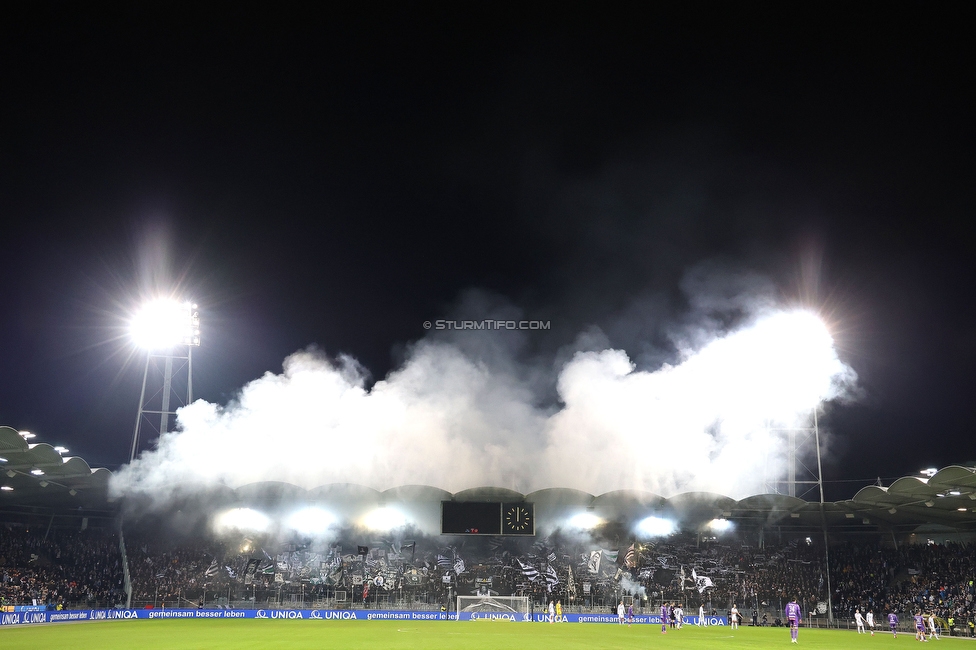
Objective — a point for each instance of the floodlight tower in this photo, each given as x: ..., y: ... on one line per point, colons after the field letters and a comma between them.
x: 801, y: 443
x: 168, y: 330
x: 798, y: 441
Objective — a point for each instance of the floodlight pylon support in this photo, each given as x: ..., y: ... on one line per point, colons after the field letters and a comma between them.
x: 161, y: 396
x: 801, y: 479
x: 799, y: 475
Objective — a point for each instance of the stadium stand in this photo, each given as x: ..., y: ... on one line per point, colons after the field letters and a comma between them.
x: 898, y: 548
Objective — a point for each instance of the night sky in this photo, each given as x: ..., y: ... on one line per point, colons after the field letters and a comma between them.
x: 318, y: 177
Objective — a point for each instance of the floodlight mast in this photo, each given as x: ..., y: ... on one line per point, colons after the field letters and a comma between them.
x: 168, y: 330
x: 798, y: 443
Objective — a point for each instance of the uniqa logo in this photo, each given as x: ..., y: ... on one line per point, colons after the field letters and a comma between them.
x: 122, y: 613
x: 315, y: 615
x: 289, y: 613
x: 343, y: 615
x: 260, y: 614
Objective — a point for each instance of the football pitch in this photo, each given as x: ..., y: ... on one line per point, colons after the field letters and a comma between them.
x: 392, y: 635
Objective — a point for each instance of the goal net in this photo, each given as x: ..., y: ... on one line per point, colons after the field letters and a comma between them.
x: 501, y: 604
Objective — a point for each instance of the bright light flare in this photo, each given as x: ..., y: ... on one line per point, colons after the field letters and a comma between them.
x: 655, y: 527
x: 383, y: 519
x: 782, y: 365
x: 585, y: 521
x: 243, y: 519
x: 165, y: 323
x: 310, y: 521
x: 26, y: 435
x: 720, y: 525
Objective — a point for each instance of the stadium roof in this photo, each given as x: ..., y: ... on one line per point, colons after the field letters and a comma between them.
x: 39, y: 474
x: 947, y: 501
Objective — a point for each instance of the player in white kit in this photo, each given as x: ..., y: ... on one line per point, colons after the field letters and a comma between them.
x: 871, y: 620
x: 859, y: 620
x: 701, y: 616
x: 734, y: 617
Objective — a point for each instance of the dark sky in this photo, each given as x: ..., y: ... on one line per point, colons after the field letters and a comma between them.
x: 329, y: 178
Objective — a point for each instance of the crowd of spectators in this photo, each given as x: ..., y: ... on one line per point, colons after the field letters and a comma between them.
x: 84, y: 569
x: 932, y: 577
x: 173, y: 575
x: 60, y: 569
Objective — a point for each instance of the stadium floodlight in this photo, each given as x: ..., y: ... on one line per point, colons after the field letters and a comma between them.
x: 961, y: 509
x: 655, y: 526
x: 720, y: 525
x: 244, y: 519
x: 585, y: 521
x: 6, y: 488
x: 168, y: 330
x: 26, y: 435
x: 310, y: 521
x: 383, y: 519
x: 61, y: 450
x: 2, y: 459
x: 165, y: 323
x: 930, y: 472
x: 955, y: 493
x: 37, y: 471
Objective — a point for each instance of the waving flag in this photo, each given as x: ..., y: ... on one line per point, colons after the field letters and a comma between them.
x: 593, y: 565
x: 630, y: 559
x: 551, y: 578
x: 528, y: 570
x: 703, y: 582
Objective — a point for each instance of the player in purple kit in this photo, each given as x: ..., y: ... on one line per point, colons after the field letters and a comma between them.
x: 919, y: 626
x: 893, y: 624
x: 664, y: 618
x: 793, y: 616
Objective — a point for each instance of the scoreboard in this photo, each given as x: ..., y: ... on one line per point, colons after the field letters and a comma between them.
x: 487, y: 518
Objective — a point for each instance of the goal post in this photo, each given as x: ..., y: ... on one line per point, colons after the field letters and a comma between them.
x: 494, y: 604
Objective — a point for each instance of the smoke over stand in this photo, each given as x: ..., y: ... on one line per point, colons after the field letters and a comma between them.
x: 446, y: 419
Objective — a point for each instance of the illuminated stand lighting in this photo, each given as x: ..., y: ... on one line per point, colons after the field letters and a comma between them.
x: 168, y: 330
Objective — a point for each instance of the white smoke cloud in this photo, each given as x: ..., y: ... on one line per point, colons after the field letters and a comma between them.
x: 447, y: 419
x: 630, y: 586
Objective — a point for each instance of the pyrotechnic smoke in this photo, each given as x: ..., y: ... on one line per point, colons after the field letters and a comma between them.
x: 630, y: 586
x: 449, y: 419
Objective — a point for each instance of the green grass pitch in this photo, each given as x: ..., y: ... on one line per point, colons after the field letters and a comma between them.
x: 427, y: 635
